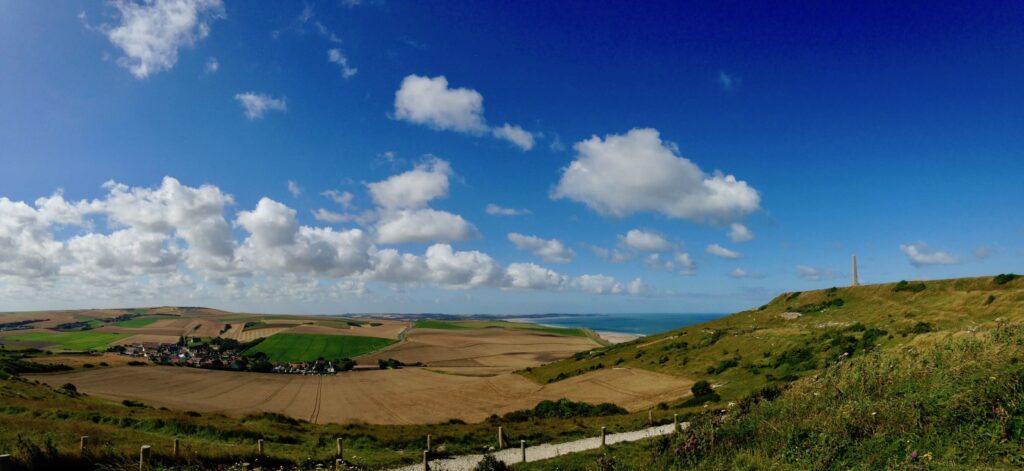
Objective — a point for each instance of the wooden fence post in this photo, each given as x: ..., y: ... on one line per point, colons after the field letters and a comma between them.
x: 650, y: 418
x: 176, y: 448
x: 522, y: 448
x: 675, y: 423
x: 604, y: 431
x: 259, y: 447
x: 501, y: 438
x: 339, y: 449
x: 83, y: 444
x: 428, y: 443
x: 144, y: 457
x: 426, y: 460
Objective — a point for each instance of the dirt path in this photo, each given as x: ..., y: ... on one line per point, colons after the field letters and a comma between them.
x: 543, y: 452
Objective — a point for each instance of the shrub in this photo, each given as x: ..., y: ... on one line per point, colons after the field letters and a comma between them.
x: 69, y: 388
x: 131, y: 403
x: 723, y: 366
x: 990, y: 299
x: 904, y: 285
x: 922, y: 328
x: 701, y: 388
x: 564, y: 409
x: 136, y: 363
x: 490, y: 463
x: 1005, y: 278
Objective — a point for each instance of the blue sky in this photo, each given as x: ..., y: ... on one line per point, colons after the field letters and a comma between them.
x: 885, y: 130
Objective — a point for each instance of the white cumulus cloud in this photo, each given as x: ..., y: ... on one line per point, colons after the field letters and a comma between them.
x: 423, y: 225
x: 415, y: 188
x: 151, y: 33
x: 624, y: 174
x: 516, y: 135
x: 644, y: 241
x: 429, y: 101
x: 920, y: 255
x: 552, y: 250
x: 740, y: 233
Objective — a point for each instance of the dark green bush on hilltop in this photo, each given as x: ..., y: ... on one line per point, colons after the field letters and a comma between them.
x: 1005, y: 278
x: 904, y: 285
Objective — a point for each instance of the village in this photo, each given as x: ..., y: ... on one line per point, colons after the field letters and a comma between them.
x: 227, y: 354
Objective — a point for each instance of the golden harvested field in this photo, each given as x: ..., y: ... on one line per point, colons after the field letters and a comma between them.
x: 481, y: 351
x: 406, y: 396
x: 76, y: 361
x: 146, y: 338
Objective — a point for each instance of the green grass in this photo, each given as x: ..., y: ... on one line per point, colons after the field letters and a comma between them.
x: 139, y: 322
x: 955, y: 401
x: 769, y: 349
x: 481, y: 324
x: 72, y: 341
x: 305, y: 347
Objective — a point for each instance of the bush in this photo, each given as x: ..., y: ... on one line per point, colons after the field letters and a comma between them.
x: 1005, y: 278
x: 701, y: 388
x: 922, y: 328
x: 131, y: 403
x: 990, y: 299
x: 564, y: 409
x: 490, y: 463
x: 69, y: 388
x: 723, y: 366
x: 904, y: 285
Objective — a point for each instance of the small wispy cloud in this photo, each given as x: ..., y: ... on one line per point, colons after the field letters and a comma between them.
x: 920, y: 255
x: 719, y: 251
x: 294, y: 188
x: 816, y: 274
x: 336, y: 57
x: 727, y: 81
x: 495, y: 210
x: 257, y: 104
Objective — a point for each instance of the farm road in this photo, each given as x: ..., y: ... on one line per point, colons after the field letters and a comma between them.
x: 542, y: 452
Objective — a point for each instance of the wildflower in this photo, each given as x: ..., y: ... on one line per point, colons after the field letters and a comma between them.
x: 913, y: 455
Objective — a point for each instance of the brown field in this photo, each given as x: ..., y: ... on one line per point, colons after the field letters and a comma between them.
x: 145, y: 338
x: 76, y: 361
x: 250, y: 335
x: 482, y: 351
x: 387, y: 330
x: 406, y: 396
x: 52, y: 318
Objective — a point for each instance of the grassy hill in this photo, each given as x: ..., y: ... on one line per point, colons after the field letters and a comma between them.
x: 797, y: 333
x: 900, y: 375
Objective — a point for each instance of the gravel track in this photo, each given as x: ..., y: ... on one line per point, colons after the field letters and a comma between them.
x: 543, y: 452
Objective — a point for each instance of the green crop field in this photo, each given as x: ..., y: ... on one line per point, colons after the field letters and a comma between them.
x: 306, y: 347
x: 139, y: 322
x: 75, y: 341
x: 479, y: 324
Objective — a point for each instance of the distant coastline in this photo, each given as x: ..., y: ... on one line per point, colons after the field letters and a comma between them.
x: 618, y: 328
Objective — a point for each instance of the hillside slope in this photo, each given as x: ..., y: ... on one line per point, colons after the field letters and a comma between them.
x: 797, y: 333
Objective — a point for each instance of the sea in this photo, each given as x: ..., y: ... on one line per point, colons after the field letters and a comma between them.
x: 633, y: 323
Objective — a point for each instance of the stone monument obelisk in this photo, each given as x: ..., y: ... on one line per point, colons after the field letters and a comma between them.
x: 856, y: 282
